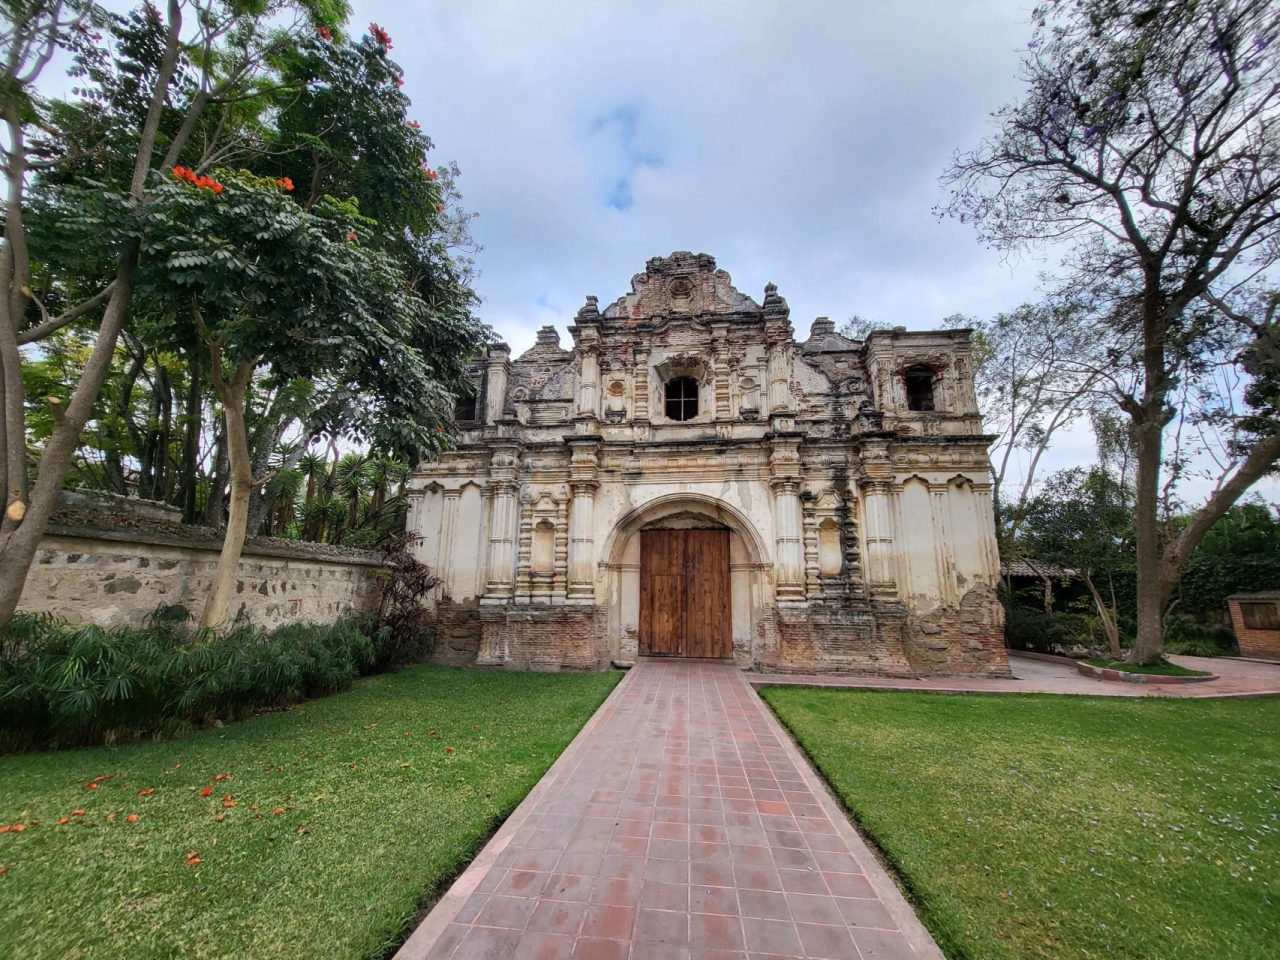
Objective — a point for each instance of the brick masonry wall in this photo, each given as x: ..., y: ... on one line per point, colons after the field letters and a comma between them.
x: 457, y: 628
x: 114, y: 578
x: 1254, y: 643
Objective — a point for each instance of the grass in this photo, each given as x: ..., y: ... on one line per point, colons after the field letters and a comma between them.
x: 385, y: 792
x: 1064, y: 827
x: 1163, y: 669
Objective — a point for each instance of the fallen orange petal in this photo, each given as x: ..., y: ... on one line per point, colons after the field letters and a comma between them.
x: 206, y: 792
x: 222, y: 776
x: 278, y: 810
x: 132, y: 818
x: 91, y: 786
x: 147, y: 792
x: 193, y: 861
x: 448, y: 749
x: 18, y: 827
x: 77, y: 813
x: 111, y: 817
x: 62, y: 820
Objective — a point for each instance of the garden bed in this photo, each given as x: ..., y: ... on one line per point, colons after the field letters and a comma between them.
x: 1131, y: 673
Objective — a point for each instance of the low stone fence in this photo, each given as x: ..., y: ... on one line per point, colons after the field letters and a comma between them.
x: 113, y: 575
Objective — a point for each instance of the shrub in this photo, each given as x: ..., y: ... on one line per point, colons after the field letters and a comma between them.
x: 1183, y: 634
x: 401, y: 624
x: 66, y: 685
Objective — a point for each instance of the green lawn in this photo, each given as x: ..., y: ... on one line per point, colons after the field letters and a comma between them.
x: 384, y: 793
x: 1163, y: 669
x: 1064, y: 827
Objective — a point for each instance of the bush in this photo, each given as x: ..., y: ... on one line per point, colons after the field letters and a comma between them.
x: 401, y: 624
x: 1184, y: 635
x: 68, y: 685
x: 1030, y: 628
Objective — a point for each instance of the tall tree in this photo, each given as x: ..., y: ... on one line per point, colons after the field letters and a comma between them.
x: 1145, y: 140
x: 241, y: 272
x: 215, y: 54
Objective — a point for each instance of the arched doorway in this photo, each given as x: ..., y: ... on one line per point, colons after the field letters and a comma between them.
x: 687, y: 576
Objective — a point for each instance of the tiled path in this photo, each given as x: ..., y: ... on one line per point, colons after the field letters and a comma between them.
x: 681, y: 823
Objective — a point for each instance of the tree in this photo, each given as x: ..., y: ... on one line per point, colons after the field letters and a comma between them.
x: 1145, y: 141
x: 1035, y: 375
x: 216, y: 57
x: 239, y: 270
x: 1082, y: 520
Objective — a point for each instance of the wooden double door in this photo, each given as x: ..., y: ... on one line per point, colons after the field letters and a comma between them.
x: 685, y: 609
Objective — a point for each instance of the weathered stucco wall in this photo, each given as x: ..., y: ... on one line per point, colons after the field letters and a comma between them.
x: 117, y: 577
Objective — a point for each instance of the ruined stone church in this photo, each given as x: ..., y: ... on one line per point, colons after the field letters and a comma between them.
x: 686, y: 479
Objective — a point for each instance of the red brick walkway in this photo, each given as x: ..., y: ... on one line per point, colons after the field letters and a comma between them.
x: 681, y: 823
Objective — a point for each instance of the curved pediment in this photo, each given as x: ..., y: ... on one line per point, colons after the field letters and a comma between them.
x: 682, y: 284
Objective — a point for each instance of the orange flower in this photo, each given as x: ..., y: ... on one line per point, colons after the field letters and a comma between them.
x: 77, y: 813
x: 324, y: 34
x: 207, y: 791
x: 132, y: 818
x: 147, y: 792
x: 62, y: 820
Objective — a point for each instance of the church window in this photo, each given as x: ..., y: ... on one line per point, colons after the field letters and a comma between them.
x: 920, y: 388
x: 465, y: 408
x: 682, y: 398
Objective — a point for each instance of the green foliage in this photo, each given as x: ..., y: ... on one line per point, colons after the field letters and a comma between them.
x: 1240, y: 553
x: 1162, y: 669
x: 65, y: 685
x: 1030, y: 628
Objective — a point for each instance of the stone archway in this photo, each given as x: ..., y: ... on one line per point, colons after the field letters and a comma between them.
x: 749, y: 569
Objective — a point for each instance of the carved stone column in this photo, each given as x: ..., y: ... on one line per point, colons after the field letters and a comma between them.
x: 944, y: 546
x: 641, y: 397
x: 589, y: 387
x: 784, y: 461
x: 503, y: 517
x: 583, y: 467
x: 495, y: 391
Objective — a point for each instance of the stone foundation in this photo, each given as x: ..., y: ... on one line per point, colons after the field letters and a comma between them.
x: 457, y: 627
x: 542, y: 636
x: 836, y: 637
x: 966, y: 640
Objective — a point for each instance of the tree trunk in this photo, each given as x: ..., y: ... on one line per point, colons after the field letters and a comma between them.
x: 20, y: 531
x: 232, y: 395
x: 194, y: 417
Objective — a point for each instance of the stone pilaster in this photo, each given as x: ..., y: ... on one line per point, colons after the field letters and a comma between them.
x: 503, y: 518
x: 584, y: 465
x: 784, y: 463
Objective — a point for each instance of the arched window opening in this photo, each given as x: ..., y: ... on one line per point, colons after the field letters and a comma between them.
x: 682, y: 398
x: 920, y: 388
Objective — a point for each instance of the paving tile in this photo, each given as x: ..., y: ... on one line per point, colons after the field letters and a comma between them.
x: 679, y: 826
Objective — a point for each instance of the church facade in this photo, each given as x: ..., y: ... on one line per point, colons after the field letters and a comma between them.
x: 686, y: 479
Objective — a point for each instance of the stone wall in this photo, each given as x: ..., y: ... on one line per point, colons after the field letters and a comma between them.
x: 968, y: 639
x: 539, y: 636
x: 115, y: 577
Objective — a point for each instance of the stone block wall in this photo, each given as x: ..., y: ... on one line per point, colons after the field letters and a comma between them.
x: 968, y: 639
x: 538, y: 636
x: 118, y: 577
x: 836, y: 638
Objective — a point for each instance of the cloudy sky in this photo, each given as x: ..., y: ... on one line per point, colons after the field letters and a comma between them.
x: 796, y: 142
